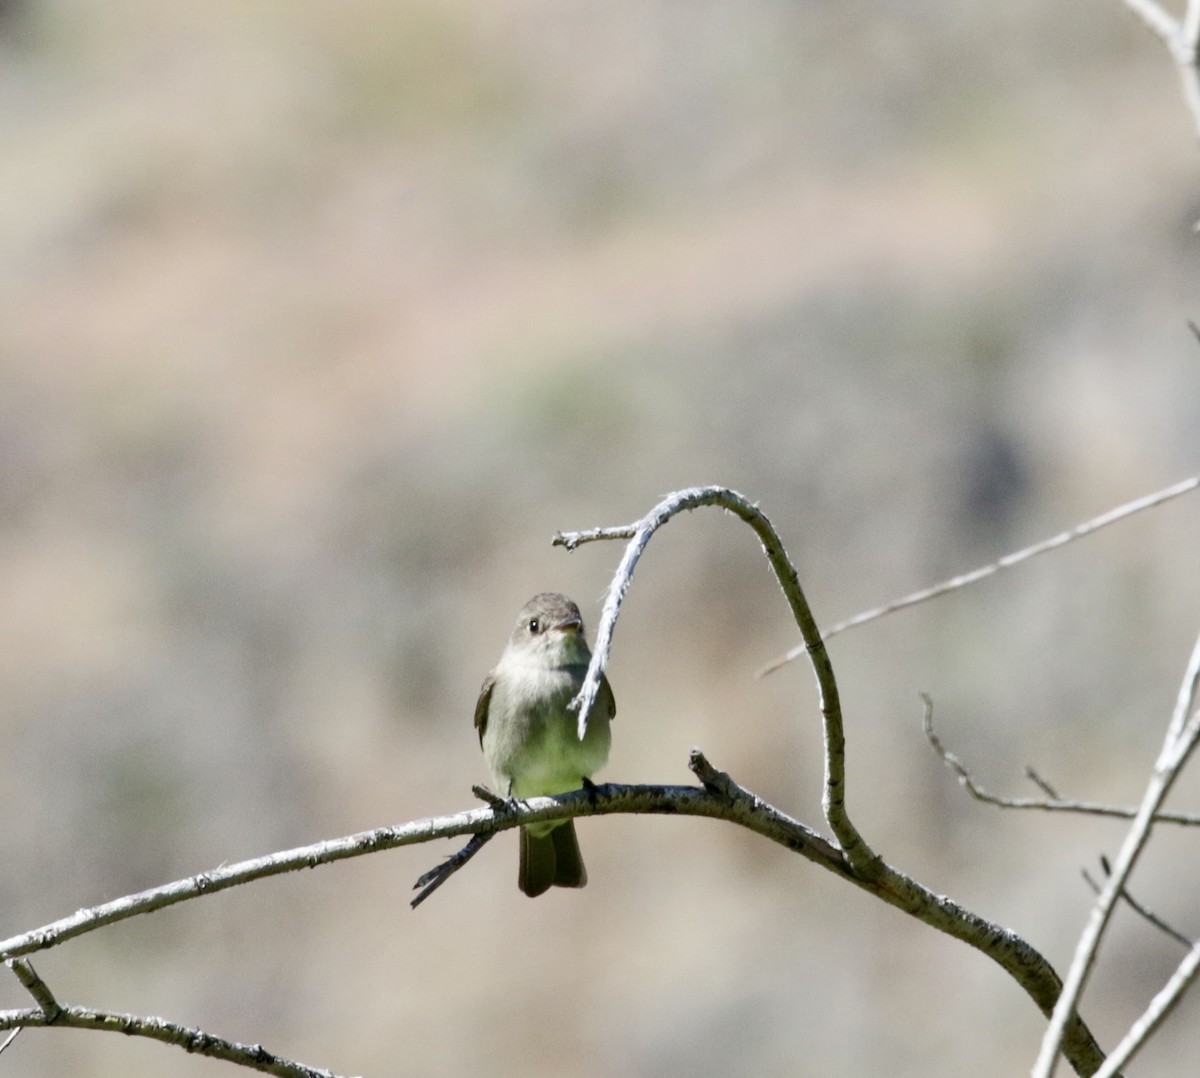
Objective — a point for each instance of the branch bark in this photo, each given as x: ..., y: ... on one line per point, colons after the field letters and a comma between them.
x: 862, y: 858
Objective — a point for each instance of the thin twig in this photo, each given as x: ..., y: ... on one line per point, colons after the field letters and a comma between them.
x: 1007, y: 562
x: 714, y: 781
x: 485, y: 795
x: 274, y: 864
x: 1185, y: 702
x: 10, y: 1038
x: 190, y: 1039
x: 571, y: 540
x: 36, y: 987
x: 1044, y: 786
x: 439, y: 874
x: 1177, y: 748
x: 1051, y: 803
x: 1157, y: 18
x: 1190, y: 31
x: 1160, y: 1007
x: 1142, y: 911
x: 1182, y: 38
x: 862, y: 858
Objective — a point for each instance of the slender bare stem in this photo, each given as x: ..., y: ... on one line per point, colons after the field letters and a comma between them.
x: 35, y: 986
x: 1052, y: 802
x: 51, y: 1013
x: 1190, y: 30
x: 439, y: 874
x: 1154, y: 1015
x: 1185, y: 702
x: 1007, y: 562
x: 1177, y: 748
x: 1157, y: 18
x: 1182, y: 38
x: 1147, y: 914
x: 253, y: 1056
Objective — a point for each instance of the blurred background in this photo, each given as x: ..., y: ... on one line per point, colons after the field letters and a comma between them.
x: 317, y: 321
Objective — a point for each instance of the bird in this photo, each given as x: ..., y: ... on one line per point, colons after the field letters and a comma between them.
x: 529, y: 736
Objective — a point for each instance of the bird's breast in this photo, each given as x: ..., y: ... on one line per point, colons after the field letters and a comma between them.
x: 531, y: 742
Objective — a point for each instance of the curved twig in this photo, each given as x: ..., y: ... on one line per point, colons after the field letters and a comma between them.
x: 1052, y: 802
x: 859, y: 854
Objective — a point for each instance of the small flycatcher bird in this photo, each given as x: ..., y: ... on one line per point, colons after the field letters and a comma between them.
x: 529, y: 736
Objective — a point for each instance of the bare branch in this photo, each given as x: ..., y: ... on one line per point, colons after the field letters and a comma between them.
x: 1183, y: 42
x: 439, y: 874
x: 1177, y: 748
x: 861, y: 865
x: 1190, y: 30
x: 253, y: 1056
x: 721, y: 798
x: 715, y: 782
x: 1160, y: 1007
x: 227, y: 876
x: 1042, y: 784
x: 1185, y: 702
x: 1051, y: 803
x: 1007, y: 562
x: 486, y: 795
x: 600, y: 800
x: 1157, y: 18
x: 51, y: 1013
x: 10, y: 1038
x: 36, y: 987
x: 571, y: 540
x: 857, y: 851
x: 1142, y: 911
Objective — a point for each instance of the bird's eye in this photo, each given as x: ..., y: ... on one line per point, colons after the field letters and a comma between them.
x: 535, y: 626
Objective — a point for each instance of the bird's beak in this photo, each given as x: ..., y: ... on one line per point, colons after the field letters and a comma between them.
x: 571, y: 625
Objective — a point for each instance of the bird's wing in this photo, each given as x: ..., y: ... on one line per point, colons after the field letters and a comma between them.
x: 605, y: 698
x: 481, y: 705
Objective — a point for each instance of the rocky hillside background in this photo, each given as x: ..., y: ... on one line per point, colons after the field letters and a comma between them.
x: 318, y: 320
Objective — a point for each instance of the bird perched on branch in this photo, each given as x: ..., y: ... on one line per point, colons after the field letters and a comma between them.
x: 530, y: 738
